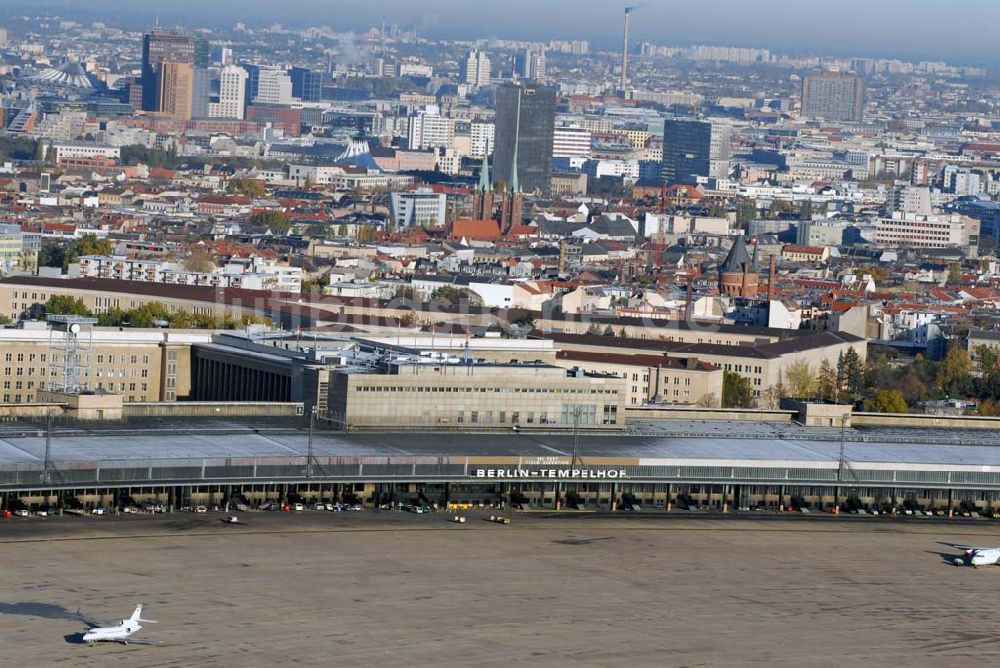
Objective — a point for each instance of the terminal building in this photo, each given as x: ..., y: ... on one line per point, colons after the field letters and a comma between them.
x: 701, y: 464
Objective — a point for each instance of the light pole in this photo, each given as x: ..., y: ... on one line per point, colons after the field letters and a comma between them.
x: 841, y: 460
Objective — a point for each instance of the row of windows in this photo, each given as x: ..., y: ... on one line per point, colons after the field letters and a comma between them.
x: 743, y: 368
x: 42, y: 371
x: 80, y: 359
x: 504, y: 390
x: 576, y: 414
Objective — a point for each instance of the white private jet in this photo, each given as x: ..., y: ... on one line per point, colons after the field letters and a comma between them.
x: 977, y: 556
x: 119, y: 633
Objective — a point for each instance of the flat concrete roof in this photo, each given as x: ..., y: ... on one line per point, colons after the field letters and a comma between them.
x: 196, y: 442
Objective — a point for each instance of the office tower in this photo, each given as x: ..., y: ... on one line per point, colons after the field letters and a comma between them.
x: 525, y: 121
x: 253, y: 82
x: 273, y: 87
x: 163, y: 46
x: 530, y: 63
x: 226, y: 56
x: 176, y: 94
x: 307, y: 84
x: 834, y: 96
x: 694, y: 148
x: 201, y: 92
x: 476, y: 69
x: 232, y: 93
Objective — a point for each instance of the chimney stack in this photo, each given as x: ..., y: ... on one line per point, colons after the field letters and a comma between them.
x: 772, y: 273
x: 628, y: 10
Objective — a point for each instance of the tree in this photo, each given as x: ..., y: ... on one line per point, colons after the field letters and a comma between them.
x: 709, y: 400
x: 746, y: 213
x: 779, y: 207
x: 736, y: 391
x: 277, y: 222
x: 954, y: 273
x: 245, y: 186
x: 887, y: 401
x: 987, y: 357
x: 199, y: 261
x: 65, y: 305
x: 806, y: 210
x: 954, y: 374
x: 799, y: 380
x: 850, y: 374
x: 827, y: 383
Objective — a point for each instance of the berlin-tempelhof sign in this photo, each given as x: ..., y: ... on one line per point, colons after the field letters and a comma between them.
x: 572, y: 474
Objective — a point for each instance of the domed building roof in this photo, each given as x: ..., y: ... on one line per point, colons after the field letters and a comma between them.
x: 68, y: 75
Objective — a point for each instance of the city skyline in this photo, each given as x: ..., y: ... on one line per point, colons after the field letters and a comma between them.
x: 856, y: 28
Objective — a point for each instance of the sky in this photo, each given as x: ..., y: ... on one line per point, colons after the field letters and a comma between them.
x: 909, y: 29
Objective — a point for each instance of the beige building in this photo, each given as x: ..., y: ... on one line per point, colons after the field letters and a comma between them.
x: 764, y: 364
x: 139, y: 365
x: 437, y: 395
x: 176, y: 90
x: 652, y: 378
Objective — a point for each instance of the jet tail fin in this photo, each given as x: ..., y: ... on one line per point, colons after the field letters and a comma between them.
x: 137, y: 616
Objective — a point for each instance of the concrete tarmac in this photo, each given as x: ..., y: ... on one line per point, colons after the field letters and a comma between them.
x: 389, y: 588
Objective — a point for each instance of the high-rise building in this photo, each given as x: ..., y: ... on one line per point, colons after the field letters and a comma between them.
x: 530, y: 63
x: 834, y: 96
x: 525, y: 122
x: 273, y: 87
x: 481, y: 138
x: 694, y: 148
x: 253, y: 82
x: 307, y: 84
x: 429, y: 129
x: 232, y: 93
x: 164, y: 46
x: 176, y: 94
x: 201, y: 92
x: 476, y: 69
x: 571, y: 141
x: 3, y: 38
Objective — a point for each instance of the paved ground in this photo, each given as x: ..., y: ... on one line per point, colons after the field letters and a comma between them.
x: 379, y: 589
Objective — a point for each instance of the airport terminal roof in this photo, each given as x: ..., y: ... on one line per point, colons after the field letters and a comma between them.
x: 168, y: 439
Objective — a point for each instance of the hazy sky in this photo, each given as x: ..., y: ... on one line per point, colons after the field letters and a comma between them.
x: 960, y: 32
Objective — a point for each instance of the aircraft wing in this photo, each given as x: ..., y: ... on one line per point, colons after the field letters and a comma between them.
x: 966, y: 548
x: 91, y: 622
x: 971, y: 548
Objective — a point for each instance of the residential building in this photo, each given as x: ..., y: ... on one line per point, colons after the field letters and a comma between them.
x: 429, y: 129
x: 833, y: 96
x: 476, y: 69
x: 570, y: 141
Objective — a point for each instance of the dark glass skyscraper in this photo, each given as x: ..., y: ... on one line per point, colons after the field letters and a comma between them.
x: 694, y: 148
x: 525, y: 122
x: 164, y: 46
x: 307, y: 84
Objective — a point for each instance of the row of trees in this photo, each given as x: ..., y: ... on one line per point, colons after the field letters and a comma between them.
x: 57, y: 254
x: 880, y: 385
x: 153, y: 314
